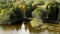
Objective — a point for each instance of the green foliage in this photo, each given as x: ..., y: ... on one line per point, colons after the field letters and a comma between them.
x: 59, y: 16
x: 5, y: 11
x: 37, y: 13
x: 18, y: 10
x: 53, y: 10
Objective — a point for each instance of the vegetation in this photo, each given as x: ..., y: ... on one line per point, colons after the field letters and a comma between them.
x: 12, y: 11
x: 53, y: 11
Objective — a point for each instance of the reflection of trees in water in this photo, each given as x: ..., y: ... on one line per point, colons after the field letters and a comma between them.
x: 31, y: 29
x: 8, y: 28
x: 18, y: 27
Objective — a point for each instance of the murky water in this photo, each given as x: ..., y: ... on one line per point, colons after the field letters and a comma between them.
x: 22, y: 29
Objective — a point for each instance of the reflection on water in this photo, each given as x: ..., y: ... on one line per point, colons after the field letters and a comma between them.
x: 23, y: 29
x: 7, y: 30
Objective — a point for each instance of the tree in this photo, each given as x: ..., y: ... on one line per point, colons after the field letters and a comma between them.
x: 53, y: 11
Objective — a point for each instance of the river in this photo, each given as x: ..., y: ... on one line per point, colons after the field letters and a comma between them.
x: 21, y: 29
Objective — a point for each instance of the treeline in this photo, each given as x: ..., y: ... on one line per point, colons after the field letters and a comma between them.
x: 53, y: 11
x: 13, y: 12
